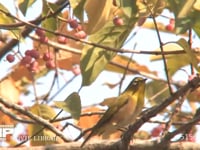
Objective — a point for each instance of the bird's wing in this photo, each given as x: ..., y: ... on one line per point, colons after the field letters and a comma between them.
x: 112, y: 110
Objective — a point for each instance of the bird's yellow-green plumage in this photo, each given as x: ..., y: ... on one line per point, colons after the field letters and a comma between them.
x: 123, y: 111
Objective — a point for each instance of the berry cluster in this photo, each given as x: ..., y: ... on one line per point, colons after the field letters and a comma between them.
x: 80, y: 33
x: 30, y: 60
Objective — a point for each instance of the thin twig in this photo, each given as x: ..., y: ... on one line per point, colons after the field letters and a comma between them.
x: 170, y: 135
x: 174, y: 113
x: 82, y: 115
x: 161, y: 48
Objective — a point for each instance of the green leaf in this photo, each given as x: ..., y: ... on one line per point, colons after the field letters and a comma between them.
x: 24, y: 5
x: 43, y: 111
x: 72, y: 105
x: 94, y: 59
x: 78, y: 8
x: 128, y: 6
x: 156, y: 92
x: 49, y: 23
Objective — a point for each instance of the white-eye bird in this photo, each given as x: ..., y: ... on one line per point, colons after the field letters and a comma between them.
x: 122, y: 111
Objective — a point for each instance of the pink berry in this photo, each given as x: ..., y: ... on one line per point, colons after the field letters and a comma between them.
x: 44, y: 39
x: 80, y: 34
x: 73, y: 23
x: 79, y: 28
x: 118, y: 21
x: 170, y: 27
x: 157, y: 131
x: 40, y: 32
x: 35, y: 54
x: 26, y: 60
x: 34, y: 66
x: 47, y: 56
x: 27, y: 52
x: 10, y: 58
x: 62, y: 40
x: 50, y: 64
x: 76, y: 69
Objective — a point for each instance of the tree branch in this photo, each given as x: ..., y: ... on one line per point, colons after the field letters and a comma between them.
x: 190, y: 86
x: 34, y: 117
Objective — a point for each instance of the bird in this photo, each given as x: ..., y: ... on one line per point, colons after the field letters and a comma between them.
x: 122, y: 111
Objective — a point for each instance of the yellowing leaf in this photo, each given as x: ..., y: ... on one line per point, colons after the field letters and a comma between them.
x: 190, y: 53
x: 176, y: 61
x: 156, y: 92
x: 167, y: 47
x: 72, y: 105
x: 9, y: 91
x: 197, y: 5
x: 44, y: 137
x: 3, y: 18
x: 119, y: 63
x: 98, y: 14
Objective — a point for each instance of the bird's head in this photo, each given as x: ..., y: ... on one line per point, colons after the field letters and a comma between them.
x: 136, y: 84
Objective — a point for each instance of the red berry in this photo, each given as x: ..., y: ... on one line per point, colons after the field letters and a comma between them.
x: 62, y: 40
x: 35, y: 54
x: 157, y: 131
x: 76, y: 69
x: 191, y: 77
x: 80, y: 34
x: 118, y: 21
x: 44, y: 39
x: 10, y: 58
x: 47, y: 56
x: 170, y: 27
x: 73, y: 23
x: 79, y: 28
x: 141, y: 21
x: 34, y: 66
x: 26, y: 60
x: 191, y: 139
x: 40, y: 32
x: 27, y: 52
x: 50, y: 64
